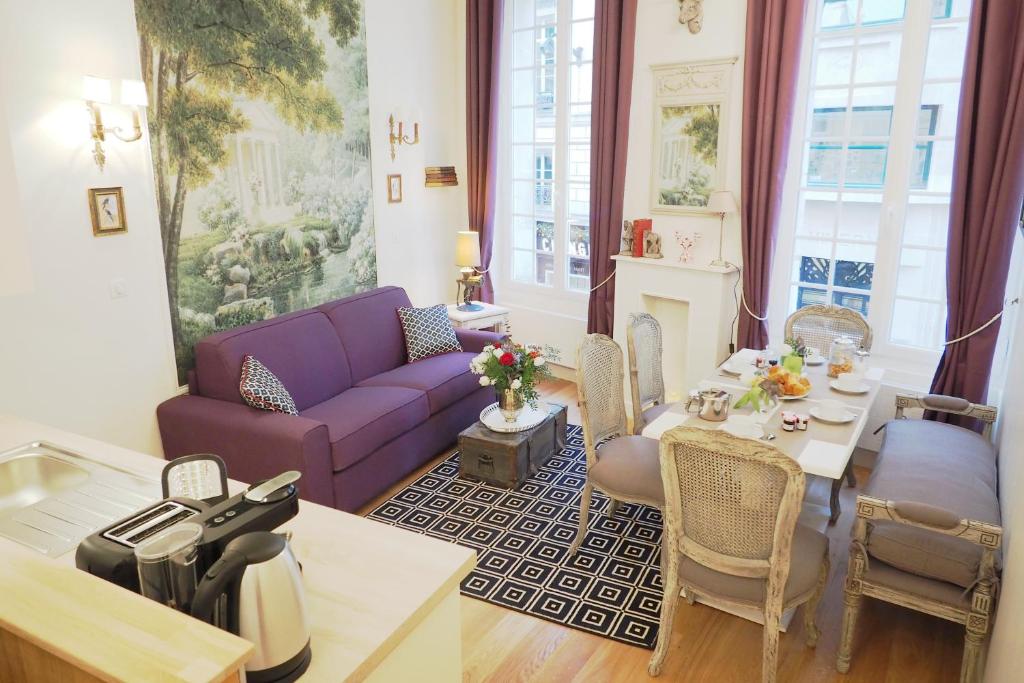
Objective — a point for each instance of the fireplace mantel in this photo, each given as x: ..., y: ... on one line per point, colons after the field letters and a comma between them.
x: 694, y: 304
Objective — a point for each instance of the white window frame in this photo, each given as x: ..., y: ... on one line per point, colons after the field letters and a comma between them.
x: 556, y: 297
x: 895, y: 190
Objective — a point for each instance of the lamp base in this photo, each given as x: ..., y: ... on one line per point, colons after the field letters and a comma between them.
x: 469, y: 307
x: 719, y: 263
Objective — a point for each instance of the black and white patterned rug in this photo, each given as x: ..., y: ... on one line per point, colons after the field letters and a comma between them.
x: 611, y: 587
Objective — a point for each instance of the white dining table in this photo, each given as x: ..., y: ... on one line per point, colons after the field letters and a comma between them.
x: 823, y: 449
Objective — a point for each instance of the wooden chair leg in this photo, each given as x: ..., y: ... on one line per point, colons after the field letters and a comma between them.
x: 851, y: 478
x: 770, y: 649
x: 811, y: 606
x: 851, y: 607
x: 669, y: 601
x: 584, y: 517
x: 970, y: 666
x: 613, y: 506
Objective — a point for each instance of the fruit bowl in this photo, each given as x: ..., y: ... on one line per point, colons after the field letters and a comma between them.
x: 791, y: 385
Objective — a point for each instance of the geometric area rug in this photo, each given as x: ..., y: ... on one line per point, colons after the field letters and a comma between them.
x: 611, y: 587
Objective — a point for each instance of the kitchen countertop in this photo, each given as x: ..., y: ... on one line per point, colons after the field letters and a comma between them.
x: 368, y: 585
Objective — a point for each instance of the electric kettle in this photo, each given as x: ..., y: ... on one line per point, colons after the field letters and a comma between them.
x: 265, y: 604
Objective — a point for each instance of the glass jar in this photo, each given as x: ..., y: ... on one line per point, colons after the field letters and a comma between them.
x: 841, y: 356
x: 861, y: 362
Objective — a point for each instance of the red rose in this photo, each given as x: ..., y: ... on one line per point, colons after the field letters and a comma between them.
x: 534, y: 354
x: 507, y: 359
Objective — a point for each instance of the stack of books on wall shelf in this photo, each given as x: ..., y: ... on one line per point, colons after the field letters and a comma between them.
x: 441, y: 176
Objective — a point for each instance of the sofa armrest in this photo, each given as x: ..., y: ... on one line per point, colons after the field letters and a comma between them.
x: 254, y: 444
x: 984, y: 534
x: 474, y: 341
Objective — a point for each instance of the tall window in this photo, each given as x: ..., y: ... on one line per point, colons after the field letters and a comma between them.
x: 549, y: 206
x: 870, y: 219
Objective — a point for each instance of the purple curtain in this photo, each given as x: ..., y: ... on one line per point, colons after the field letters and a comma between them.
x: 483, y: 47
x: 614, y: 35
x: 771, y: 67
x: 988, y: 183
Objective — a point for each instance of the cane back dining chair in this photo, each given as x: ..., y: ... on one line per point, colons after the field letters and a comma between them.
x: 731, y: 534
x: 625, y: 467
x: 646, y: 380
x: 818, y: 324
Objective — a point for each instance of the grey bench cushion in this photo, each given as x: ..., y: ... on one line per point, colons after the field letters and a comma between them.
x: 944, y: 466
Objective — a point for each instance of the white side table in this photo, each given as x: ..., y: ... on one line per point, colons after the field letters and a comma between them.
x: 491, y: 316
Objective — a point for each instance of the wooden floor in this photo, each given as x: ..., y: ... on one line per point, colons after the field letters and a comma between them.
x: 893, y: 645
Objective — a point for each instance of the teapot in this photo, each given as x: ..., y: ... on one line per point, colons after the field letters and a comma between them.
x: 712, y: 404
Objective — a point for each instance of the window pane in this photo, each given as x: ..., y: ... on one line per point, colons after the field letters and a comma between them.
x: 522, y: 161
x: 838, y: 13
x: 927, y: 222
x: 943, y: 9
x: 940, y: 104
x: 922, y: 274
x: 818, y: 214
x: 918, y: 323
x: 523, y: 234
x: 932, y: 166
x: 834, y: 57
x: 823, y: 164
x: 582, y: 9
x: 523, y: 197
x: 544, y: 237
x: 522, y: 124
x: 523, y: 87
x: 545, y: 269
x: 812, y: 262
x: 579, y: 123
x: 579, y: 200
x: 878, y: 57
x: 523, y: 14
x: 946, y: 46
x: 854, y: 274
x: 858, y: 302
x: 881, y: 11
x: 806, y: 296
x: 860, y: 216
x: 580, y: 82
x: 579, y: 163
x: 582, y: 48
x: 865, y: 164
x: 522, y: 266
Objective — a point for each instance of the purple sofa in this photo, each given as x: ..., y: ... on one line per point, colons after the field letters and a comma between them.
x: 366, y: 417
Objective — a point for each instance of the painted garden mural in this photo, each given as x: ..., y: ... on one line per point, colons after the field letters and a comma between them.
x: 259, y: 126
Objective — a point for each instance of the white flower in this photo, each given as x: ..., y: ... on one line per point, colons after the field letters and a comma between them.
x: 488, y: 348
x: 498, y: 353
x: 539, y: 361
x: 517, y: 383
x: 485, y: 380
x: 786, y: 350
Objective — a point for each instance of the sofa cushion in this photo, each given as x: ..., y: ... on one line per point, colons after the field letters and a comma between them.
x: 427, y: 331
x: 261, y: 388
x: 362, y: 419
x: 301, y: 349
x: 368, y: 327
x: 445, y: 379
x: 943, y: 466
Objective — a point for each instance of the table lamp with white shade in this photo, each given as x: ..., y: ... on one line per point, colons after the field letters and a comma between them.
x: 467, y: 257
x: 721, y: 202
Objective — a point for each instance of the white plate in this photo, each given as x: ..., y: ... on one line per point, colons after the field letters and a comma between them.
x: 738, y: 430
x: 529, y: 418
x: 848, y: 417
x: 794, y: 398
x: 816, y: 360
x: 737, y: 367
x: 862, y: 389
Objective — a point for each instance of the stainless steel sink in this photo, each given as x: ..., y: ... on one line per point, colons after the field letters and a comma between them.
x: 51, y: 497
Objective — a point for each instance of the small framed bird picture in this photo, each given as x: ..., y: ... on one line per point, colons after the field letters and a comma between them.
x: 106, y: 207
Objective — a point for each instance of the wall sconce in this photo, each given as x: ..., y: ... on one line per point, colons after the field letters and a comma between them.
x: 400, y: 138
x: 96, y: 92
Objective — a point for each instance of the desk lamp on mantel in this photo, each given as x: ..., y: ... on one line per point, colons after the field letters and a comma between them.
x: 721, y: 202
x: 467, y: 257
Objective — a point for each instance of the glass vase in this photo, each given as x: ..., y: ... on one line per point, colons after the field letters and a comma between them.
x: 510, y: 403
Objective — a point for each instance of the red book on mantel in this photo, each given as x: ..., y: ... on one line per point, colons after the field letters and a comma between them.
x: 640, y: 226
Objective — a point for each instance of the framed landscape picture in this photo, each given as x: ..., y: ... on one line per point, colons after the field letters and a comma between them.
x: 688, y: 150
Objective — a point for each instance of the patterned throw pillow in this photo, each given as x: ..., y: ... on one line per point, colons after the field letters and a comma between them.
x: 428, y: 332
x: 261, y: 388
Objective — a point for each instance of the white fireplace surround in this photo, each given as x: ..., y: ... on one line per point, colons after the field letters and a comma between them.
x: 695, y: 306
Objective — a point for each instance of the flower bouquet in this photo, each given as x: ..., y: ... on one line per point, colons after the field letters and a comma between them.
x: 513, y: 370
x: 792, y: 355
x: 762, y: 389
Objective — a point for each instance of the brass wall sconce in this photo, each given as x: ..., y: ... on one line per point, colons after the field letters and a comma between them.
x: 400, y: 138
x: 96, y: 93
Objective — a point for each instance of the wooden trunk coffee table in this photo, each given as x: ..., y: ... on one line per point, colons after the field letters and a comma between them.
x: 507, y: 460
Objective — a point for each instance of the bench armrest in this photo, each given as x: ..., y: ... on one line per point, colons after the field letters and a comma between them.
x: 254, y: 444
x: 935, y: 519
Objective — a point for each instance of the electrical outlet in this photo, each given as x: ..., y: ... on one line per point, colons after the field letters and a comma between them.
x: 118, y: 288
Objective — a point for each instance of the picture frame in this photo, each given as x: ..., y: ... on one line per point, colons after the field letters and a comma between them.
x: 106, y: 209
x: 689, y: 141
x: 394, y: 188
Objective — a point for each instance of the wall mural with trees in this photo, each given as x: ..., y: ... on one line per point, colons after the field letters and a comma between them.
x: 259, y: 126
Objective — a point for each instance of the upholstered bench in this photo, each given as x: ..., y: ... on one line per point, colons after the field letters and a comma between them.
x: 927, y: 531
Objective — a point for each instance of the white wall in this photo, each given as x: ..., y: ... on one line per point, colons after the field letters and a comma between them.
x: 72, y: 356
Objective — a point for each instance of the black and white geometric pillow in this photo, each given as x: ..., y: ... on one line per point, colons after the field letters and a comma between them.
x: 428, y: 332
x: 261, y: 388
